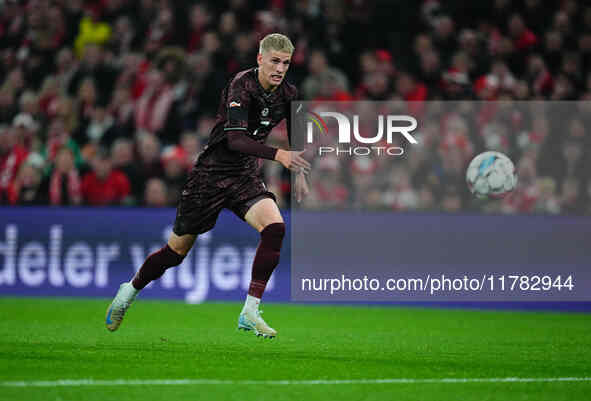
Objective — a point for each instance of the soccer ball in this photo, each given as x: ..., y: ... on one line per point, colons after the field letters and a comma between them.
x: 491, y: 175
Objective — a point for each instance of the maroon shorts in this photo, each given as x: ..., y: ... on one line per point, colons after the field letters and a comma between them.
x: 204, y: 195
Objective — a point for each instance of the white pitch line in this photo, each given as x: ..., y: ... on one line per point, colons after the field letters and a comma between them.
x: 192, y: 382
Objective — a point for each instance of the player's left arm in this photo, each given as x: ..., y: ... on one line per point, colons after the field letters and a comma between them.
x: 237, y: 124
x: 292, y: 160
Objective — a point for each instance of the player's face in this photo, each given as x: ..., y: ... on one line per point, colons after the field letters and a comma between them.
x: 273, y: 66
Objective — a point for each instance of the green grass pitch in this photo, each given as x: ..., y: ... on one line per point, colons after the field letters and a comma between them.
x: 48, y: 339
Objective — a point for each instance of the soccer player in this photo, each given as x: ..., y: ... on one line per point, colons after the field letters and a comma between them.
x: 227, y: 175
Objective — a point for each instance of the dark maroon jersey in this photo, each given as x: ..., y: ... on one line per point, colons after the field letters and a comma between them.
x: 245, y: 106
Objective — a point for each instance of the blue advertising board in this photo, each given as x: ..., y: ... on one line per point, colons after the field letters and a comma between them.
x: 90, y: 252
x: 439, y: 257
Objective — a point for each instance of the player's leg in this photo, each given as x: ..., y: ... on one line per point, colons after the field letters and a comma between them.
x: 197, y: 212
x: 172, y: 254
x: 265, y: 217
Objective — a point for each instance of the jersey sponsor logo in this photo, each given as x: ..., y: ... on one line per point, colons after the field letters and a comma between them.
x: 234, y: 104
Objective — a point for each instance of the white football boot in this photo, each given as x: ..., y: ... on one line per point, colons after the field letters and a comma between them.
x: 250, y: 319
x: 125, y: 296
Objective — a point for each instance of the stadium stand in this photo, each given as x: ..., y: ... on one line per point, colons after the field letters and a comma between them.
x: 107, y: 102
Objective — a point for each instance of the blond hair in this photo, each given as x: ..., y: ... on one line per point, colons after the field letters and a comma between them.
x: 277, y: 42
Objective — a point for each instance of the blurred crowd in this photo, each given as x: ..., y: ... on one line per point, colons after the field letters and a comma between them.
x: 547, y: 141
x: 107, y: 102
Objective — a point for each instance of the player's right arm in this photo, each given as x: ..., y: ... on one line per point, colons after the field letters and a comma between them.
x: 293, y: 156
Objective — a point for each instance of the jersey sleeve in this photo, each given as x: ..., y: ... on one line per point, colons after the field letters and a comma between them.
x: 238, y: 101
x: 295, y: 121
x: 238, y: 142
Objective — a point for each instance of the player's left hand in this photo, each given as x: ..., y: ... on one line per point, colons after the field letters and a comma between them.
x: 301, y: 186
x: 293, y: 160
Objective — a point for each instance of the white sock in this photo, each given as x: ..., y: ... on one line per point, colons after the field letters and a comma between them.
x: 251, y: 303
x: 130, y: 292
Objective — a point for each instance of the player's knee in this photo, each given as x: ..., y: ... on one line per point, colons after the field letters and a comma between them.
x: 181, y: 245
x: 273, y: 235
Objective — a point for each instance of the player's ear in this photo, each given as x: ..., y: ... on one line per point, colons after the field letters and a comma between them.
x: 259, y: 59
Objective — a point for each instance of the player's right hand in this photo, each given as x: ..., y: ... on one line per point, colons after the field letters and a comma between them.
x: 301, y: 187
x: 293, y: 160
